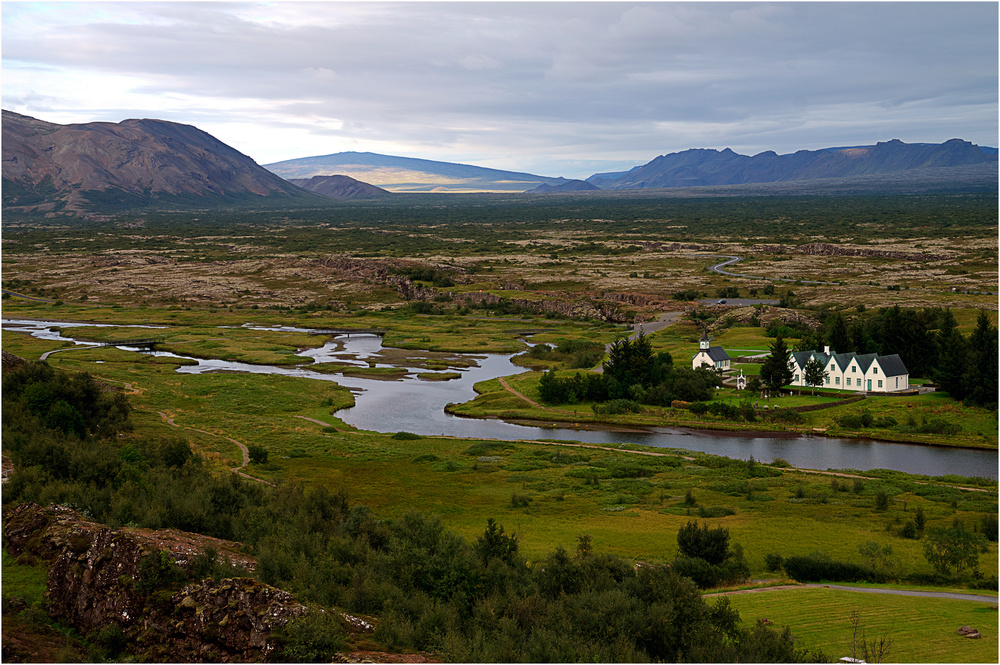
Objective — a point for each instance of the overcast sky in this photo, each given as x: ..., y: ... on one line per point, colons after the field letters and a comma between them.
x: 566, y: 88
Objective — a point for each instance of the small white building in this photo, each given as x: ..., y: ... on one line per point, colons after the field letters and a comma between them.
x: 711, y: 356
x: 866, y: 372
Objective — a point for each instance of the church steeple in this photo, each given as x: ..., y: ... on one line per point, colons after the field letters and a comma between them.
x: 704, y: 344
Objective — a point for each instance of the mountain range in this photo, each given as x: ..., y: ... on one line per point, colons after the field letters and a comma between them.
x: 103, y: 167
x: 407, y: 174
x: 700, y: 167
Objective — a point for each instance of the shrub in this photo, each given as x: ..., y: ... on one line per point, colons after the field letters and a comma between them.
x: 406, y: 436
x: 813, y: 568
x: 616, y: 407
x: 258, y: 454
x: 773, y: 562
x: 712, y: 545
x: 520, y: 500
x: 313, y: 637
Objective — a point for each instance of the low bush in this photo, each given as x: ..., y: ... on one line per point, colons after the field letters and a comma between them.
x: 813, y: 568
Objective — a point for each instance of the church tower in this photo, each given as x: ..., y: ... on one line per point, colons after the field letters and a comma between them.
x: 704, y: 344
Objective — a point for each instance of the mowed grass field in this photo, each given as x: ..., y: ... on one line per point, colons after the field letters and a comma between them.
x: 923, y: 630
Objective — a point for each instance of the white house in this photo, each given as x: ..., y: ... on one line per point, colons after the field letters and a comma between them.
x: 711, y: 356
x: 866, y: 372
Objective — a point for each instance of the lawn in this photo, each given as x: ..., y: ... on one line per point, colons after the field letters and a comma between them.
x: 922, y: 630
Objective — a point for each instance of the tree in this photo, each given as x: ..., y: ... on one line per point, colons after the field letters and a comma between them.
x: 775, y: 371
x: 953, y: 354
x: 980, y: 376
x: 955, y: 548
x: 840, y: 341
x: 494, y: 544
x: 629, y: 363
x: 701, y: 542
x: 815, y: 374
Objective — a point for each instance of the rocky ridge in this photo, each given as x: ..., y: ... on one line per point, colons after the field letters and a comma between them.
x: 98, y: 577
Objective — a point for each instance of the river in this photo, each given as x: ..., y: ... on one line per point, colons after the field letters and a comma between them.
x: 417, y: 406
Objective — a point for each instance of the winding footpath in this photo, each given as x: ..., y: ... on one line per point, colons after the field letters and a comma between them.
x: 242, y: 447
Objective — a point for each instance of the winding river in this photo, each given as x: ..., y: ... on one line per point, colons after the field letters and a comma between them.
x: 415, y: 405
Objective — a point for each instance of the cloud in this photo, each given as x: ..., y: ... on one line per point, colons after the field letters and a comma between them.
x: 513, y: 83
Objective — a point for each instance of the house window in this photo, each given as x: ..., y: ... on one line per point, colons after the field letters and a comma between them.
x: 827, y: 380
x: 854, y: 369
x: 848, y: 380
x: 795, y: 378
x: 838, y: 380
x: 880, y: 383
x: 874, y: 370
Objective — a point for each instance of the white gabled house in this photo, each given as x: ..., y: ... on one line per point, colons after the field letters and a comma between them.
x: 710, y: 356
x: 866, y: 372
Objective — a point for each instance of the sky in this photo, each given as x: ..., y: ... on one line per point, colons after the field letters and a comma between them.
x: 557, y: 89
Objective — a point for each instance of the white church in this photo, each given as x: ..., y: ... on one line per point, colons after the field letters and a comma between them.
x: 710, y: 356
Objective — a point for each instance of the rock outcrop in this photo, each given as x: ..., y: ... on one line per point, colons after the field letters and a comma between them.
x: 101, y: 576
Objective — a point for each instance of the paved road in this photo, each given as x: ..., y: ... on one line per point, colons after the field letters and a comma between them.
x: 730, y: 260
x: 739, y: 302
x: 21, y: 295
x: 893, y: 592
x: 645, y: 328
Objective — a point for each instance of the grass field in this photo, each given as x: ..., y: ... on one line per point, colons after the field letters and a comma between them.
x: 923, y: 630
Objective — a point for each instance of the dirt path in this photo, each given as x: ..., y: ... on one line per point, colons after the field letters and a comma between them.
x: 243, y: 448
x: 893, y: 592
x: 313, y: 420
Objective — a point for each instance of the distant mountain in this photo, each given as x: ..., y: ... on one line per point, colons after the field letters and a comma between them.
x: 102, y: 167
x: 406, y: 174
x: 339, y: 187
x: 701, y: 167
x: 568, y: 186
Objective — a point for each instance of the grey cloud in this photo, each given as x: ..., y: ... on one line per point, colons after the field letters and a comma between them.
x: 575, y: 80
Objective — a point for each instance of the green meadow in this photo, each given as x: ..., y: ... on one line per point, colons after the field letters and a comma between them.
x: 922, y: 630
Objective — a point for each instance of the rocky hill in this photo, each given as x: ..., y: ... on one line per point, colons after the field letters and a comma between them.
x: 700, y: 167
x: 340, y: 187
x: 101, y: 166
x: 568, y: 186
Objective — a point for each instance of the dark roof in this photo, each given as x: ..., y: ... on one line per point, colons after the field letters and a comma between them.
x: 717, y: 353
x: 865, y: 361
x: 892, y: 365
x: 843, y: 360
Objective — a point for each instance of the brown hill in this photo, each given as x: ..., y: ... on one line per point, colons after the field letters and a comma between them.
x: 339, y: 187
x: 99, y: 166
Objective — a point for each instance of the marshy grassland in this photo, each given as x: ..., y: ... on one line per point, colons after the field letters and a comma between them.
x: 444, y: 277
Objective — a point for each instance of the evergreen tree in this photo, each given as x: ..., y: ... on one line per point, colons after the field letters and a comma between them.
x: 840, y: 341
x: 775, y: 371
x: 980, y: 376
x: 629, y: 363
x: 951, y: 363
